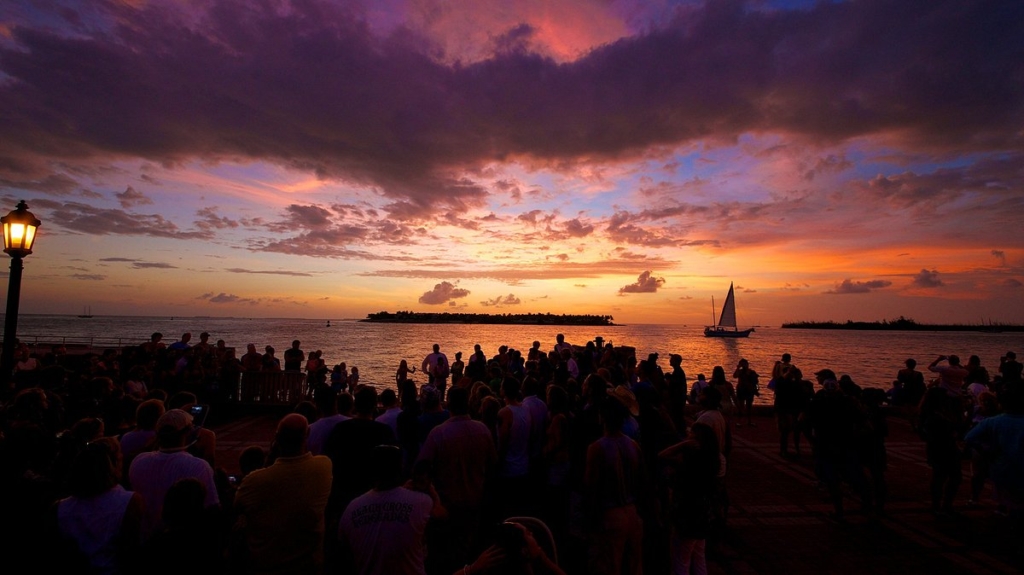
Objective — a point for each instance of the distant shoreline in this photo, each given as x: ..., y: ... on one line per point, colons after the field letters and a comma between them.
x: 490, y: 319
x: 902, y: 324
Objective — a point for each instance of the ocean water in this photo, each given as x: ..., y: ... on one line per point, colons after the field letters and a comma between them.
x: 871, y: 358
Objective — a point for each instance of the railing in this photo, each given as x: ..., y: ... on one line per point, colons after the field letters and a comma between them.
x: 47, y: 341
x: 271, y: 388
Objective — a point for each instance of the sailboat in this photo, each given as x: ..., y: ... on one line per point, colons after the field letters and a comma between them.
x: 86, y: 312
x: 726, y: 326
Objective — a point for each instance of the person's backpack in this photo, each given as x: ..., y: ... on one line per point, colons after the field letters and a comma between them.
x: 442, y: 369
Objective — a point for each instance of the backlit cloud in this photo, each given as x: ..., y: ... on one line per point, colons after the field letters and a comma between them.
x: 442, y: 293
x: 645, y: 283
x: 848, y: 286
x: 269, y: 272
x: 132, y: 197
x: 500, y: 301
x: 392, y: 113
x: 524, y: 146
x: 927, y: 279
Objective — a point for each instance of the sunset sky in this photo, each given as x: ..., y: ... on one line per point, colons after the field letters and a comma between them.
x: 331, y: 158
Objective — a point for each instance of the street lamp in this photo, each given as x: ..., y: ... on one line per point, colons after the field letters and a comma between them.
x: 19, y: 236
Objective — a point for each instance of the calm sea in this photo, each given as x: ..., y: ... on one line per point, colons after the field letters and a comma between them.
x: 870, y: 358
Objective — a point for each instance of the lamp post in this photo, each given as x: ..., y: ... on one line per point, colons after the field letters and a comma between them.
x: 19, y: 235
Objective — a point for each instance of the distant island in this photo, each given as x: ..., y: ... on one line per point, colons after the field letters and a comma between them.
x: 902, y: 324
x: 486, y: 318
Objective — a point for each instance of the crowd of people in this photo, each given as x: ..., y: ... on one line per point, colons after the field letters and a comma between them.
x: 579, y: 458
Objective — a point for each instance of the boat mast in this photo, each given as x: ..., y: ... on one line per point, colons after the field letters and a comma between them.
x: 714, y: 322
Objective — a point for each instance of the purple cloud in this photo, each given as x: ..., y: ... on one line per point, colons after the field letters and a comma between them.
x: 848, y: 286
x: 314, y: 88
x: 927, y: 279
x: 500, y: 301
x: 443, y: 293
x: 645, y: 283
x: 131, y: 197
x: 269, y: 272
x: 222, y: 298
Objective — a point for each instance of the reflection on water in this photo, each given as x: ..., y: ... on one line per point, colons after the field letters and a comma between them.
x: 871, y: 358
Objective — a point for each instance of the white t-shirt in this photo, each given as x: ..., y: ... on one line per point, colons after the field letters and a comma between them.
x: 320, y: 430
x: 384, y: 530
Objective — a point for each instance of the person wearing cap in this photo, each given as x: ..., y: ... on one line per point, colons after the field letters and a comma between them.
x: 153, y: 473
x: 281, y: 507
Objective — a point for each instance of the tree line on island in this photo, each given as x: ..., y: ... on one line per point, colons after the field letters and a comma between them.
x: 487, y: 318
x: 902, y: 324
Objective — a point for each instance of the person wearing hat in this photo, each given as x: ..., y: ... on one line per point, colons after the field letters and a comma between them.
x: 152, y: 474
x: 623, y: 395
x: 615, y: 485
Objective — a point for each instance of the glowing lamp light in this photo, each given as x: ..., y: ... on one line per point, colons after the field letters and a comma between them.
x: 19, y: 235
x: 19, y: 231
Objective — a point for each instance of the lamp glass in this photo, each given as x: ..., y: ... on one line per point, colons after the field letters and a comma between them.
x: 19, y: 231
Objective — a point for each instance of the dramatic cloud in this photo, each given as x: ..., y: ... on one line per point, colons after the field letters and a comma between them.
x: 314, y: 87
x: 502, y: 301
x: 927, y: 279
x: 520, y: 146
x: 98, y: 221
x: 1013, y: 283
x: 443, y: 293
x: 89, y: 277
x: 645, y: 283
x: 848, y: 286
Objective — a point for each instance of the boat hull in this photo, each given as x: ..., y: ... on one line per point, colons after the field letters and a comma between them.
x: 714, y: 332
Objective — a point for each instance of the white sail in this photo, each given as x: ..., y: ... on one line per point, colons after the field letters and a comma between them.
x: 728, y: 318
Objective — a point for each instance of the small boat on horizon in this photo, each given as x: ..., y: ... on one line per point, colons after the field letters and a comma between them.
x: 86, y: 312
x: 726, y: 326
